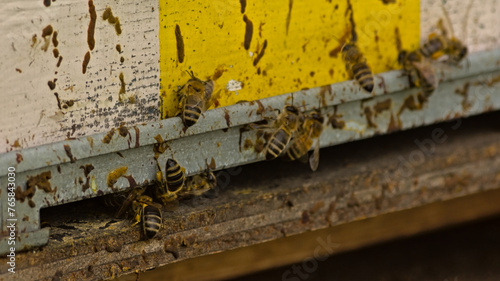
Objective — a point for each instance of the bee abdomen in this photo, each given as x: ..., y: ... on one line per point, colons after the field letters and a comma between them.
x: 191, y: 114
x: 364, y: 76
x: 152, y: 221
x: 431, y: 47
x: 277, y: 143
x: 175, y: 176
x: 209, y: 88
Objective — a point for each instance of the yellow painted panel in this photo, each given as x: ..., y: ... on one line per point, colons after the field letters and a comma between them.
x: 301, y: 39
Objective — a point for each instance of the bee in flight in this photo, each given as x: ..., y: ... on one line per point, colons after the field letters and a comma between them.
x: 438, y: 45
x: 195, y: 98
x: 419, y: 70
x: 307, y: 135
x: 144, y: 210
x: 357, y: 67
x: 280, y: 131
x: 172, y: 183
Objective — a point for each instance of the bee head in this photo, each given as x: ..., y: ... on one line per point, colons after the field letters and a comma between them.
x: 347, y: 47
x: 315, y: 115
x: 292, y: 109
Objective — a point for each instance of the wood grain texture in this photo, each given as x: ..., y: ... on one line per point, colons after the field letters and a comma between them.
x: 91, y: 102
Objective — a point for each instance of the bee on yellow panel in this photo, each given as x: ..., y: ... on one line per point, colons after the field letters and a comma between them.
x: 357, y: 67
x: 307, y: 135
x: 196, y: 96
x: 419, y: 70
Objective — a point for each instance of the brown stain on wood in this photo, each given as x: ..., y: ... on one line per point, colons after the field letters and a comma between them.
x: 19, y: 70
x: 54, y: 39
x: 336, y: 122
x: 248, y: 32
x: 86, y: 171
x: 86, y: 60
x: 410, y: 104
x: 122, y: 87
x: 67, y: 149
x: 394, y: 124
x: 55, y: 52
x: 322, y: 94
x: 381, y: 106
x: 243, y: 4
x: 47, y: 31
x: 218, y: 72
x: 91, y: 28
x: 118, y: 48
x: 137, y: 134
x: 52, y: 84
x: 464, y: 93
x: 41, y: 181
x: 118, y: 26
x: 123, y: 131
x: 180, y: 43
x: 19, y: 158
x: 108, y: 15
x: 260, y: 54
x: 227, y: 117
x: 397, y: 35
x: 58, y: 100
x: 114, y: 175
x: 59, y: 61
x: 46, y: 3
x: 289, y: 15
x: 369, y: 117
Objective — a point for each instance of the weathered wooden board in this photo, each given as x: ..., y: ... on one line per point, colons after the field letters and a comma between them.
x: 270, y: 200
x: 99, y: 99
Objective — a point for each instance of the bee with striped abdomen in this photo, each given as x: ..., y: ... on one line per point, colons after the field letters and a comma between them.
x: 281, y: 131
x: 438, y: 45
x: 419, y: 70
x: 195, y: 98
x: 357, y: 67
x: 149, y: 213
x: 144, y: 210
x: 307, y: 135
x: 172, y: 183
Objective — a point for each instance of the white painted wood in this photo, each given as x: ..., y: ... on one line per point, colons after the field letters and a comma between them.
x: 29, y: 112
x: 475, y: 22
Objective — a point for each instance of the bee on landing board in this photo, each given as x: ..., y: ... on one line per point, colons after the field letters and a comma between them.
x: 307, y: 135
x: 419, y: 70
x: 357, y: 67
x: 280, y: 131
x: 144, y: 210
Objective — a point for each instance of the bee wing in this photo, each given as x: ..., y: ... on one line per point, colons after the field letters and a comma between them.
x: 314, y: 158
x: 426, y: 71
x: 128, y: 202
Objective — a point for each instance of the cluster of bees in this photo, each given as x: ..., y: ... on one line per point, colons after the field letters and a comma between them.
x: 416, y: 63
x: 146, y: 203
x: 291, y: 133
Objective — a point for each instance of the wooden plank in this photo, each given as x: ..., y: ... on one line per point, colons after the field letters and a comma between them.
x: 311, y: 248
x: 270, y: 200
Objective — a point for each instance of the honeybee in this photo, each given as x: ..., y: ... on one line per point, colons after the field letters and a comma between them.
x: 280, y: 131
x: 307, y: 135
x: 144, y: 210
x: 357, y: 67
x: 195, y: 98
x: 172, y: 183
x: 419, y: 70
x: 438, y: 45
x: 149, y: 213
